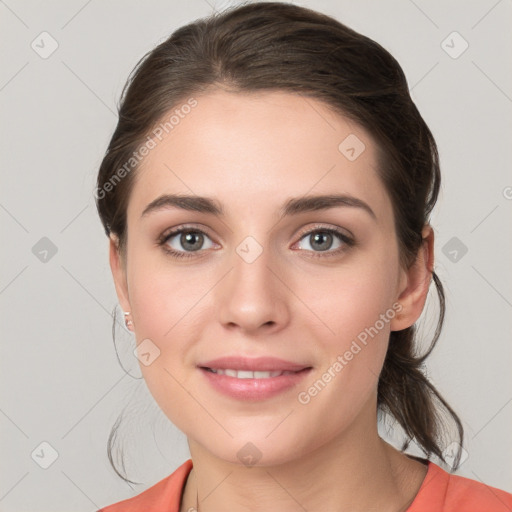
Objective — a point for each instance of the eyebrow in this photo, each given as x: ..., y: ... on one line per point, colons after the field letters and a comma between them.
x: 293, y: 206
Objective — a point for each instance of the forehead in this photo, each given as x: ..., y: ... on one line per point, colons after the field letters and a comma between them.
x: 257, y: 149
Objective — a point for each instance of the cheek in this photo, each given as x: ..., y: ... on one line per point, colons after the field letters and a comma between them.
x: 353, y: 352
x: 350, y: 300
x: 355, y: 309
x: 358, y: 311
x: 168, y: 310
x: 164, y: 298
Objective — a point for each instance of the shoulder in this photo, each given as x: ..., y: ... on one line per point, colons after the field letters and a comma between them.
x: 164, y: 495
x: 444, y: 492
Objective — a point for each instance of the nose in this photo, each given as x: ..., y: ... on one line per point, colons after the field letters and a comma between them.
x: 253, y: 297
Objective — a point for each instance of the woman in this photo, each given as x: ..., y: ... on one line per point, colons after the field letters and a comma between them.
x: 267, y: 195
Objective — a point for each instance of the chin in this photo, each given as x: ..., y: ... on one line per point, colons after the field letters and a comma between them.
x: 255, y: 447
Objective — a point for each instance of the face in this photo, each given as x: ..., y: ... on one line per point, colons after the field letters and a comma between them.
x: 274, y: 279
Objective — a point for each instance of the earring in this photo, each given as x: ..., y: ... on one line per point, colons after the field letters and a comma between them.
x: 128, y: 322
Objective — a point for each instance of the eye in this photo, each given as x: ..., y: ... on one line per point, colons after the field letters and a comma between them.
x: 327, y: 240
x: 181, y: 241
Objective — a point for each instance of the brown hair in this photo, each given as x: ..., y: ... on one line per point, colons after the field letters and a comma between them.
x: 279, y: 46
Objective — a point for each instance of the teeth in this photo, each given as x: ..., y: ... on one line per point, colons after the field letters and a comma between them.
x: 246, y: 374
x: 242, y: 374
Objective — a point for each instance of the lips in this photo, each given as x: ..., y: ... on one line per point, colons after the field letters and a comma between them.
x: 248, y: 374
x: 253, y: 379
x: 259, y: 364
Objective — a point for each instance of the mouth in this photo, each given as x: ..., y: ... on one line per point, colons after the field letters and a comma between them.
x: 253, y: 379
x: 248, y: 374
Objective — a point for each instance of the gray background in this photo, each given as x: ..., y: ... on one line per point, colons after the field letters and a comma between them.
x: 60, y: 380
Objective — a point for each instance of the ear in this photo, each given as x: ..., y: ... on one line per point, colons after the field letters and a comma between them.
x: 118, y: 268
x: 415, y: 283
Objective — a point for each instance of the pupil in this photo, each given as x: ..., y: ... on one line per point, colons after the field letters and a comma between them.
x: 194, y: 241
x: 322, y: 240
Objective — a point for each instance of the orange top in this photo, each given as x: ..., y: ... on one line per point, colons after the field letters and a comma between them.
x: 439, y: 492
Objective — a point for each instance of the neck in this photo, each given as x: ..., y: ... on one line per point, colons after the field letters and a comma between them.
x: 355, y: 471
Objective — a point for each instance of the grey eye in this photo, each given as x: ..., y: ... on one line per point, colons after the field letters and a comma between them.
x: 189, y: 241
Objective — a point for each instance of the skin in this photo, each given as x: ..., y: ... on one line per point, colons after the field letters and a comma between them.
x: 253, y: 152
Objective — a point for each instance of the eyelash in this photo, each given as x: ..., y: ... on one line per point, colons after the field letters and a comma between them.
x: 345, y: 239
